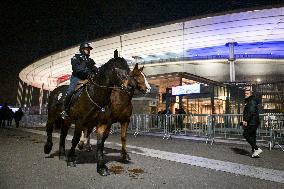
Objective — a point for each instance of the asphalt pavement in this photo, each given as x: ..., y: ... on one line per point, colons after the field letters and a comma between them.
x: 155, y: 163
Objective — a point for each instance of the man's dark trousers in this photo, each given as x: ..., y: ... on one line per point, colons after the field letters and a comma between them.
x: 250, y: 135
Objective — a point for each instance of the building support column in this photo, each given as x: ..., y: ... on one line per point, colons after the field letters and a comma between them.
x: 40, y: 99
x: 232, y: 60
x: 232, y: 71
x: 20, y: 94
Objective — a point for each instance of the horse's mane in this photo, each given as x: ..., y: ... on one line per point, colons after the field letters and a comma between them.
x: 106, y: 69
x: 115, y: 63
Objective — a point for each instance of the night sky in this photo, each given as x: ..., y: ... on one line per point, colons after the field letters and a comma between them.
x: 33, y: 29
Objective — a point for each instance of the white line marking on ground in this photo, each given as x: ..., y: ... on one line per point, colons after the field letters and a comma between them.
x: 235, y: 168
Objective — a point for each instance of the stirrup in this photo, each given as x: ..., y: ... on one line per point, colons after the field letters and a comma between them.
x: 64, y: 114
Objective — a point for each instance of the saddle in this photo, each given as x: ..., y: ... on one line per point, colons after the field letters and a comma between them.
x: 78, y: 90
x: 80, y: 84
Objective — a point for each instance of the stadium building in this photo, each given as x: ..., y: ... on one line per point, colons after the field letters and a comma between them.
x: 203, y: 63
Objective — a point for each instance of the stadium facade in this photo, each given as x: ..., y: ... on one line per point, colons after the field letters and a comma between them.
x: 223, y: 52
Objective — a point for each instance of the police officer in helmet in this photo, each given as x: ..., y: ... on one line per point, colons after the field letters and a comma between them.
x: 82, y: 67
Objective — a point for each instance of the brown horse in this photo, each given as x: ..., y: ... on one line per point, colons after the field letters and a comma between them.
x: 120, y: 111
x: 93, y: 102
x: 121, y: 107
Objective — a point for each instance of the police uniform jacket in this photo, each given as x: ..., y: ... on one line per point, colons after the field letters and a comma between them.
x: 82, y: 66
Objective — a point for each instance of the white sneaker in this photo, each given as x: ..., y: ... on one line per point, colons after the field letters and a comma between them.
x: 257, y: 152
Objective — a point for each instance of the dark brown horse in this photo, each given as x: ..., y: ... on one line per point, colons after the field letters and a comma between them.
x: 121, y: 111
x: 92, y: 103
x: 121, y: 106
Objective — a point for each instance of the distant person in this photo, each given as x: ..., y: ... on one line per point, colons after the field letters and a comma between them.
x: 10, y: 116
x: 181, y: 111
x: 5, y: 114
x: 167, y: 111
x: 82, y: 67
x: 167, y: 119
x: 18, y: 116
x: 180, y: 116
x: 251, y: 122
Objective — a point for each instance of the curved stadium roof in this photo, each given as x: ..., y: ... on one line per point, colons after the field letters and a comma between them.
x: 194, y: 45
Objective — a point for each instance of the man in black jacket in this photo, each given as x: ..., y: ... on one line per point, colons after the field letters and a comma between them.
x: 82, y: 67
x: 251, y: 122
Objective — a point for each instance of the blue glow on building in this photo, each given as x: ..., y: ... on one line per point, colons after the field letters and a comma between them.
x: 275, y: 48
x: 264, y: 50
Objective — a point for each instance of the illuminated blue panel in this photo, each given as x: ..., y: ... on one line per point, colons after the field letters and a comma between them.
x: 257, y: 48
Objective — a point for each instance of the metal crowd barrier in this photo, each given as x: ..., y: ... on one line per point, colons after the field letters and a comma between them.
x: 276, y: 124
x: 203, y: 126
x: 33, y: 121
x: 208, y: 127
x: 168, y: 125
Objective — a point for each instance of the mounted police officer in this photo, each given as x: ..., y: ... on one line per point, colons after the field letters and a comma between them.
x: 82, y: 67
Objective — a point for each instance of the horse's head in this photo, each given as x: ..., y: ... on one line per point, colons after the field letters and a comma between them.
x: 113, y: 72
x: 139, y: 80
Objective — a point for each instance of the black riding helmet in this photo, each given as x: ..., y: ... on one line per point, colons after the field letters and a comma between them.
x: 85, y: 45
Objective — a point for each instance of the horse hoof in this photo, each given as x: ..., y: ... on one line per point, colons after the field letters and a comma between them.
x: 81, y: 146
x: 125, y: 158
x: 62, y: 157
x: 128, y: 157
x: 103, y: 171
x: 89, y: 149
x: 71, y: 163
x: 48, y: 147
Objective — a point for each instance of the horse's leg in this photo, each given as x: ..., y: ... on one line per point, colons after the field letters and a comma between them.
x: 75, y: 141
x: 124, y: 155
x: 63, y: 134
x: 88, y: 144
x: 102, y: 134
x: 49, y: 129
x: 82, y: 139
x: 85, y: 140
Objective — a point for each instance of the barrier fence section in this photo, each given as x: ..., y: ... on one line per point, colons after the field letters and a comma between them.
x: 33, y: 120
x: 208, y: 127
x: 203, y: 126
x: 198, y: 125
x: 276, y: 125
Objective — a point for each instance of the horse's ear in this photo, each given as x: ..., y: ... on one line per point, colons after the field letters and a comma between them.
x: 141, y: 69
x: 115, y: 54
x: 136, y: 66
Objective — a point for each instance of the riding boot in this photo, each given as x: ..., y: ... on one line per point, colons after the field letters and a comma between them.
x: 67, y: 100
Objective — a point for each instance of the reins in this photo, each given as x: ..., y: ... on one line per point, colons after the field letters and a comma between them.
x: 122, y: 87
x: 102, y: 109
x: 102, y: 86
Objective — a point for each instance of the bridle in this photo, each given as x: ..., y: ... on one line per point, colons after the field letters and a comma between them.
x: 132, y: 84
x: 121, y: 87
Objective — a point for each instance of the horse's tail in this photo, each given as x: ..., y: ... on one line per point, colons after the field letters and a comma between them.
x: 55, y: 106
